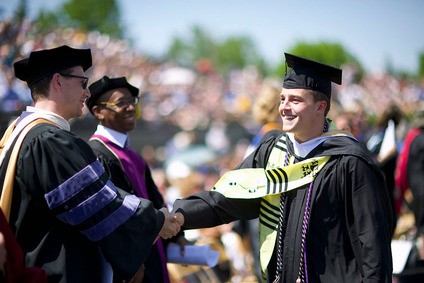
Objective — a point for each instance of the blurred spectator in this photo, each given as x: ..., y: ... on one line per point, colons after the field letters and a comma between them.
x: 345, y: 121
x: 410, y: 174
x: 265, y: 112
x: 384, y: 130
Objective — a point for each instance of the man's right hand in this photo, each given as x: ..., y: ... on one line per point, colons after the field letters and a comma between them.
x: 170, y: 226
x: 180, y: 218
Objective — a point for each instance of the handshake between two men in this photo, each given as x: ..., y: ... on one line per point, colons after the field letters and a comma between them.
x: 172, y: 224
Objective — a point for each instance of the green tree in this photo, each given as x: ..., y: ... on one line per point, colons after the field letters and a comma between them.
x: 333, y: 54
x: 238, y: 52
x: 389, y: 69
x: 179, y: 51
x: 232, y: 53
x: 21, y: 11
x: 187, y: 51
x: 87, y: 15
x: 100, y: 15
x: 421, y: 65
x: 46, y: 20
x: 203, y: 45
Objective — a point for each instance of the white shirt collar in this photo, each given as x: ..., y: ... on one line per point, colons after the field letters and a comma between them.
x: 62, y: 122
x: 303, y: 149
x: 112, y: 135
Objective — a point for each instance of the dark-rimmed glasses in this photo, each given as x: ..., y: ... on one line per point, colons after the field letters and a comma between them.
x: 84, y: 82
x: 123, y: 103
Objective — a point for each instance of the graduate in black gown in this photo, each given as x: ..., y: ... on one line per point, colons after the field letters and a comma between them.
x: 113, y: 102
x: 66, y: 214
x: 324, y: 211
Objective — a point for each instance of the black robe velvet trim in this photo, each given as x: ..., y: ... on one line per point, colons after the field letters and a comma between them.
x: 48, y: 158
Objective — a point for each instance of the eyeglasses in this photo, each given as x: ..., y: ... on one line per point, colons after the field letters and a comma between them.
x: 123, y: 103
x: 84, y: 82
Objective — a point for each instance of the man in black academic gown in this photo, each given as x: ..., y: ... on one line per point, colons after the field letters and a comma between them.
x: 323, y: 209
x: 113, y: 102
x: 67, y: 216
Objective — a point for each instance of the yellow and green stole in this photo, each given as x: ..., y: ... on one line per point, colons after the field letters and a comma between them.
x: 268, y: 184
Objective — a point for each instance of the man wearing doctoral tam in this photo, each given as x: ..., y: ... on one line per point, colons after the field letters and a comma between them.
x: 113, y: 102
x: 323, y: 210
x: 66, y: 214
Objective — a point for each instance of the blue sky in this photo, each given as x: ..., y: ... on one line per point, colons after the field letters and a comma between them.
x: 374, y: 31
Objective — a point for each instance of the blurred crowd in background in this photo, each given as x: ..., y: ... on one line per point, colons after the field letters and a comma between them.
x: 196, y: 124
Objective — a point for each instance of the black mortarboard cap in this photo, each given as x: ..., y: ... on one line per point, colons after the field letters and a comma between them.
x: 43, y: 63
x: 105, y: 84
x: 308, y: 74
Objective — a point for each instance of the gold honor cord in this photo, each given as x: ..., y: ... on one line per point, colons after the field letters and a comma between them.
x: 258, y: 182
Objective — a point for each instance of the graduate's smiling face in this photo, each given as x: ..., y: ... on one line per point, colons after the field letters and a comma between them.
x: 115, y: 109
x: 301, y: 115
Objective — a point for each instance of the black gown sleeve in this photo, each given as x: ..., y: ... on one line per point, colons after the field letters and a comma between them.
x: 211, y: 208
x: 368, y: 219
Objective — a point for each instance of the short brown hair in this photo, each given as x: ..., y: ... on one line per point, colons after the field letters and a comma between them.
x: 319, y: 96
x: 40, y: 88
